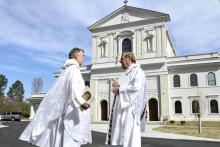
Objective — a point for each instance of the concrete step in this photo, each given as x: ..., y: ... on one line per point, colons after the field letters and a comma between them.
x: 154, y: 122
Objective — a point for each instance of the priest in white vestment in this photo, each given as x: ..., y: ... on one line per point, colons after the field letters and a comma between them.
x: 128, y: 110
x: 63, y: 117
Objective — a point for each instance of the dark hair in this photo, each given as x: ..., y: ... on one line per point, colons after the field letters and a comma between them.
x: 74, y: 51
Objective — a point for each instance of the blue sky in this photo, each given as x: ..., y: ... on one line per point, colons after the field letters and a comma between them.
x: 36, y: 35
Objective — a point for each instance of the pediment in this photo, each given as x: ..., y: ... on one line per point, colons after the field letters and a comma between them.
x: 127, y: 14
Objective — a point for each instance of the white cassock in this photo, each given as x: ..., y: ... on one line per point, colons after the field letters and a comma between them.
x: 59, y: 121
x: 128, y: 109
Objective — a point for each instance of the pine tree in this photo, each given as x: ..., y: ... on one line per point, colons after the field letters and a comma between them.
x: 16, y: 91
x: 3, y: 84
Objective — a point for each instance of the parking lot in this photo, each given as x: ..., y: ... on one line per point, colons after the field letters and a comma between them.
x: 9, y: 138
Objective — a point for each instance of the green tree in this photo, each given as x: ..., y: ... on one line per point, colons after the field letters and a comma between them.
x: 3, y: 84
x: 26, y: 109
x: 1, y: 103
x: 10, y: 106
x: 16, y: 91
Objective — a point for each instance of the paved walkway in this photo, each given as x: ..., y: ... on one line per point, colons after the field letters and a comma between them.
x: 2, y: 126
x: 103, y: 127
x: 100, y: 127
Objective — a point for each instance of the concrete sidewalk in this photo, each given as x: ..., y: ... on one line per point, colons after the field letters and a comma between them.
x: 102, y: 127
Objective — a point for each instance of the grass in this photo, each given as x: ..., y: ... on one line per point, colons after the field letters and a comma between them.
x: 209, y: 129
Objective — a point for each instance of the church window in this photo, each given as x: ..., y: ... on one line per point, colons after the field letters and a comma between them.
x: 176, y: 81
x: 178, y: 107
x: 195, y: 106
x: 214, y: 106
x: 103, y: 50
x: 102, y: 46
x: 211, y: 79
x: 87, y: 83
x: 150, y: 43
x: 193, y: 80
x: 126, y: 45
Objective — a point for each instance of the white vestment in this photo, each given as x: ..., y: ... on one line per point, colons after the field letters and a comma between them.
x: 127, y: 109
x: 59, y: 120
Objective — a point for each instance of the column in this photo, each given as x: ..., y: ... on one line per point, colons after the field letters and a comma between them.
x: 142, y: 43
x: 138, y: 42
x: 164, y: 96
x: 98, y: 49
x: 32, y: 113
x: 110, y: 46
x: 163, y: 40
x: 115, y: 46
x: 158, y: 41
x: 134, y: 44
x: 94, y: 54
x: 94, y: 107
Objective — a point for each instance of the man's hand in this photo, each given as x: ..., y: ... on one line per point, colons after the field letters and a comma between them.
x: 115, y: 87
x: 85, y: 106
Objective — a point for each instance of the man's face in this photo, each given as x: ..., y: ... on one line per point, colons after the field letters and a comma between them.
x: 80, y: 57
x: 125, y: 62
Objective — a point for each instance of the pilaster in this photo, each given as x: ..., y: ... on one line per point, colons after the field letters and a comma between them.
x: 94, y: 109
x: 164, y: 96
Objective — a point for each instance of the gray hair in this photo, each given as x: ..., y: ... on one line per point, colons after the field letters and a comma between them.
x: 73, y: 53
x: 129, y: 55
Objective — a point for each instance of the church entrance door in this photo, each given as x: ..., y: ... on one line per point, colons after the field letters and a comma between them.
x: 104, y: 110
x: 153, y: 110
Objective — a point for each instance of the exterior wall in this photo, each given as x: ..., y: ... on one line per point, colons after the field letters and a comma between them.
x: 35, y: 101
x: 186, y: 94
x: 159, y: 69
x: 138, y: 35
x: 153, y: 92
x: 164, y: 96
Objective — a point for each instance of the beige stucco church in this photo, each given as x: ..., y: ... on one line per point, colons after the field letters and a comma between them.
x: 177, y: 85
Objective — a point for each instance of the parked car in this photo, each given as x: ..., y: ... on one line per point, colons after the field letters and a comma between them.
x: 12, y: 116
x: 1, y: 117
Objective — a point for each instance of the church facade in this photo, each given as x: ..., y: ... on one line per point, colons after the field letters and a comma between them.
x: 179, y: 87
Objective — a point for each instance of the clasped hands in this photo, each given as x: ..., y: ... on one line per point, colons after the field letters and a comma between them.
x: 85, y: 105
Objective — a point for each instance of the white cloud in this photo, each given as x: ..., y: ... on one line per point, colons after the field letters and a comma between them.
x: 55, y: 26
x: 20, y: 70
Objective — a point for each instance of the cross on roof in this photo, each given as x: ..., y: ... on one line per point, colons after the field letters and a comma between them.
x: 125, y: 2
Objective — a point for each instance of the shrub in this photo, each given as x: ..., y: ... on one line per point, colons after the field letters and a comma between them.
x: 182, y: 122
x: 172, y: 122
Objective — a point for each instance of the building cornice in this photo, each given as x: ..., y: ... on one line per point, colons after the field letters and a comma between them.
x: 126, y: 9
x: 130, y: 24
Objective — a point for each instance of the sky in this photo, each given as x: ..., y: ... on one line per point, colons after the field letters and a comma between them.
x: 37, y: 35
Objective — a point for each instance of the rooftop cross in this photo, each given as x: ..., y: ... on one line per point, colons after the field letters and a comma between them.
x: 125, y: 2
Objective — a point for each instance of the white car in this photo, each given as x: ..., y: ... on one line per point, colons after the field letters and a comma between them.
x: 1, y: 117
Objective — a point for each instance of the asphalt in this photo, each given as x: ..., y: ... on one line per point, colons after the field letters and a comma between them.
x: 11, y: 131
x: 150, y: 133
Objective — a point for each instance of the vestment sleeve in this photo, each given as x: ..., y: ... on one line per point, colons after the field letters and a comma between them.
x: 76, y: 94
x: 130, y: 92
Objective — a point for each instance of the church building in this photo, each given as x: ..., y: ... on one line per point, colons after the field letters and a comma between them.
x: 179, y: 87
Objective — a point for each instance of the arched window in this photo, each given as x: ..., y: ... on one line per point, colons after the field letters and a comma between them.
x: 211, y: 79
x: 126, y: 45
x: 87, y: 83
x: 178, y: 107
x: 195, y: 106
x: 193, y: 80
x: 214, y: 106
x: 176, y: 81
